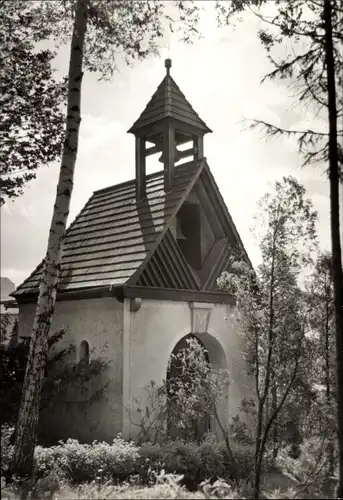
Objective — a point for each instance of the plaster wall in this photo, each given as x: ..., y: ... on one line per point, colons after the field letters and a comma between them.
x: 151, y: 333
x: 100, y: 323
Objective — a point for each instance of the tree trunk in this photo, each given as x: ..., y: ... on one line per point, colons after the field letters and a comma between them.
x: 25, y: 440
x: 273, y: 409
x: 259, y: 448
x: 228, y: 447
x: 327, y: 344
x: 335, y: 231
x: 331, y: 444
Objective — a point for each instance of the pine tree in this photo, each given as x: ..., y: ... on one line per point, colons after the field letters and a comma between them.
x: 314, y: 67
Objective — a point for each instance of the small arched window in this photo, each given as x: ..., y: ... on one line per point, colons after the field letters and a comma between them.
x: 84, y: 352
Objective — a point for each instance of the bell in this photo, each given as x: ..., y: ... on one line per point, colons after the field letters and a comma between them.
x: 179, y: 232
x: 177, y: 156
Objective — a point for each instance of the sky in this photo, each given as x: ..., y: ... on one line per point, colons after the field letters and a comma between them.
x: 220, y: 76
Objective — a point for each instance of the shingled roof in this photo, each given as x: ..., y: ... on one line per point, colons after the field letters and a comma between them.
x: 169, y: 101
x: 113, y: 236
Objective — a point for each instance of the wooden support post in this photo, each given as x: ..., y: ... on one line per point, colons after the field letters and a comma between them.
x: 140, y: 169
x: 198, y: 142
x: 168, y: 156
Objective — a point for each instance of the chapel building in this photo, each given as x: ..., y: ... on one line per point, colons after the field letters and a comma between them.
x: 139, y: 275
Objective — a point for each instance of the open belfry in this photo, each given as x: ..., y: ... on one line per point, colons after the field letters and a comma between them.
x: 139, y: 275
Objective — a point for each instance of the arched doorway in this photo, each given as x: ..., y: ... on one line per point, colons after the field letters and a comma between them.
x: 194, y: 427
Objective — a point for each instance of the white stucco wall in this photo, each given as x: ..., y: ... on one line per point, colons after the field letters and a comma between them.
x: 138, y: 346
x: 100, y: 323
x: 151, y: 333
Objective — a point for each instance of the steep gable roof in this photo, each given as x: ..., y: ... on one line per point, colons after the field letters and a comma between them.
x: 169, y: 101
x: 115, y: 242
x: 113, y: 236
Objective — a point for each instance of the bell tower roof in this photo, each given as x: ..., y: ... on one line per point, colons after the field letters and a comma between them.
x: 169, y: 102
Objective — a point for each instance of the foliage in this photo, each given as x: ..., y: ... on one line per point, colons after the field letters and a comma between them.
x: 166, y: 487
x: 31, y: 99
x: 6, y: 323
x: 197, y: 462
x: 184, y: 405
x: 186, y: 397
x: 124, y: 30
x: 244, y: 422
x: 123, y: 461
x: 6, y: 448
x: 321, y: 303
x: 321, y: 374
x: 311, y: 32
x: 298, y: 27
x: 152, y: 418
x: 12, y: 364
x: 61, y: 376
x: 310, y: 468
x: 196, y: 392
x: 86, y: 462
x: 271, y: 311
x: 98, y: 32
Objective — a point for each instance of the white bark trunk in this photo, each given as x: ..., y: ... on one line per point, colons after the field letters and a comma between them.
x: 29, y: 409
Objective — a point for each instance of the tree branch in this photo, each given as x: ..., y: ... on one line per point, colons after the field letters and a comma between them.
x: 274, y: 23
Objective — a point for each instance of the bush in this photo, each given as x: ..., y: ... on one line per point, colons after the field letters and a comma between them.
x: 312, y: 461
x: 197, y: 462
x: 174, y: 457
x: 122, y: 461
x: 6, y: 448
x: 82, y: 462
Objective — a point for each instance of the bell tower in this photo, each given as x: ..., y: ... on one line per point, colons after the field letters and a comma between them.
x: 167, y: 121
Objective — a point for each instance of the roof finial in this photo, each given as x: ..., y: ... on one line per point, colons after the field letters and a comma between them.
x: 167, y: 64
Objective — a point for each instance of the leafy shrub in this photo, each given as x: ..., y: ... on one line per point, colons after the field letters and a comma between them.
x: 312, y: 464
x: 84, y: 462
x: 122, y: 461
x: 244, y: 454
x: 174, y: 457
x: 61, y: 377
x: 6, y: 448
x: 196, y: 462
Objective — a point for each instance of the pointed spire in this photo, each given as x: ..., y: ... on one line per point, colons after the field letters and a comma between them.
x: 169, y: 101
x: 167, y: 121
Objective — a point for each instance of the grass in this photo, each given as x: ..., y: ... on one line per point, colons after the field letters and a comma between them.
x: 165, y: 490
x: 167, y: 487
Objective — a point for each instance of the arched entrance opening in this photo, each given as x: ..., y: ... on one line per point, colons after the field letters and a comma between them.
x: 181, y: 424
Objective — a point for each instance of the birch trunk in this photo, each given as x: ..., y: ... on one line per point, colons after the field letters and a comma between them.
x: 26, y: 431
x: 335, y: 231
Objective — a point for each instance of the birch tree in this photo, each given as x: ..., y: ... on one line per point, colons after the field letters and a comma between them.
x: 29, y: 409
x: 102, y: 31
